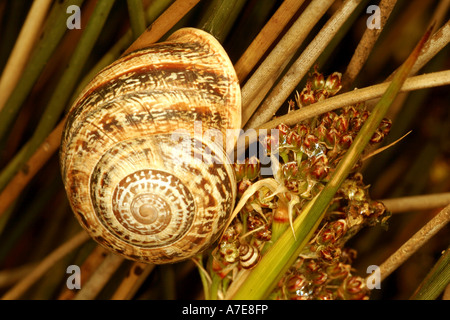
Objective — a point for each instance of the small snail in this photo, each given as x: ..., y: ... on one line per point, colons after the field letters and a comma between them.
x: 249, y: 256
x: 126, y: 178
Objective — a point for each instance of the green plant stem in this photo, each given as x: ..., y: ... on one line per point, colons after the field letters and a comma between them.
x: 436, y: 280
x: 137, y: 17
x: 51, y: 37
x: 220, y: 17
x: 62, y: 92
x: 286, y: 250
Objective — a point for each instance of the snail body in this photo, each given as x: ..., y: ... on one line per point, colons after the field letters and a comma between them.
x: 129, y: 183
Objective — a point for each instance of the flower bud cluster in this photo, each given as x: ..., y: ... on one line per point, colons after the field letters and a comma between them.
x: 318, y: 88
x: 325, y: 256
x: 309, y: 152
x: 315, y: 279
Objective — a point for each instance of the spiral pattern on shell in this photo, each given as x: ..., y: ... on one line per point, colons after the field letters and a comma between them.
x: 249, y: 256
x: 139, y: 177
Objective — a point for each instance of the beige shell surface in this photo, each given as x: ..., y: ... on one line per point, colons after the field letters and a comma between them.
x: 139, y: 179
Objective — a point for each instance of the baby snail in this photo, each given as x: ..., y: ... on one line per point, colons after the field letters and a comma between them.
x: 139, y: 177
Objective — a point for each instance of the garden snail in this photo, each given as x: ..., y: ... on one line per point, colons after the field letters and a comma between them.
x: 127, y: 182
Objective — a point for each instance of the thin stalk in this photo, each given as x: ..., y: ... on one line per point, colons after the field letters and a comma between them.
x: 21, y: 287
x: 284, y: 252
x: 220, y: 17
x: 28, y: 216
x: 204, y: 276
x: 301, y: 66
x: 22, y: 49
x: 133, y: 281
x: 34, y: 164
x: 430, y: 80
x: 90, y: 257
x: 417, y: 203
x: 163, y: 24
x: 168, y: 282
x: 137, y: 17
x: 62, y: 92
x: 100, y: 277
x: 415, y: 242
x: 434, y: 45
x: 54, y: 30
x: 266, y: 37
x: 265, y: 76
x: 353, y: 97
x: 9, y: 277
x: 366, y: 44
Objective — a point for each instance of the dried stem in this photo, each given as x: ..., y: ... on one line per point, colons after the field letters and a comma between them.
x: 37, y: 160
x: 266, y: 37
x: 90, y: 264
x: 430, y: 80
x: 301, y: 66
x: 100, y: 277
x: 44, y: 265
x: 264, y: 77
x: 366, y: 44
x: 163, y: 24
x: 417, y: 203
x: 132, y: 282
x: 415, y: 242
x: 22, y: 49
x: 435, y: 44
x: 9, y: 277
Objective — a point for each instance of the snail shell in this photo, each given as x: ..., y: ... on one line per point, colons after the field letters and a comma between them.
x: 249, y: 256
x: 129, y: 183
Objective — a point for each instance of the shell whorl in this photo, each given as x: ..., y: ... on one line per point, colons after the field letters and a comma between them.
x: 139, y: 178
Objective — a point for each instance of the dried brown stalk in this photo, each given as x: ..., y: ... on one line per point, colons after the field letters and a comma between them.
x: 417, y: 203
x: 163, y: 24
x: 10, y: 277
x: 91, y: 263
x: 266, y: 37
x: 36, y: 162
x: 434, y: 45
x: 22, y: 49
x: 359, y: 95
x: 301, y: 66
x: 21, y: 287
x: 264, y: 77
x: 415, y: 242
x: 366, y: 44
x: 132, y: 282
x: 100, y: 277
